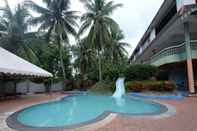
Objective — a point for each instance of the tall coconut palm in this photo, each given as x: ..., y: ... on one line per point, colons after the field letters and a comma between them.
x: 56, y: 21
x: 118, y: 47
x: 13, y: 31
x: 84, y: 55
x: 97, y: 20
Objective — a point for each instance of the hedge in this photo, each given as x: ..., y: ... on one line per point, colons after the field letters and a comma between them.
x: 139, y: 86
x: 134, y: 86
x: 131, y: 72
x: 140, y: 72
x: 103, y: 88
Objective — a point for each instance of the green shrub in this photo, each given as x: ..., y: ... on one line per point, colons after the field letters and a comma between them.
x: 103, y: 88
x: 169, y: 86
x: 135, y: 86
x: 81, y: 85
x: 154, y: 85
x: 140, y: 72
x: 87, y: 84
x: 161, y: 86
x: 113, y: 72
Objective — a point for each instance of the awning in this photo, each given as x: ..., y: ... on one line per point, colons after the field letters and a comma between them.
x: 10, y: 64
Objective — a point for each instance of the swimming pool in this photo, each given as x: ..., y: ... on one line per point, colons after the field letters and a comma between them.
x: 78, y: 109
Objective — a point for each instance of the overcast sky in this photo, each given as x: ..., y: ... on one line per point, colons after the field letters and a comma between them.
x: 133, y: 18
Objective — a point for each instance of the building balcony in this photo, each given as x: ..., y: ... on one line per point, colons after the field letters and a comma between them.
x: 173, y: 54
x: 170, y: 35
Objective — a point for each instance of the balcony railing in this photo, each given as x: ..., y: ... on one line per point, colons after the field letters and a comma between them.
x: 173, y: 54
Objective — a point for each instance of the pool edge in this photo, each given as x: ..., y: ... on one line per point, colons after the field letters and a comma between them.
x: 13, y: 123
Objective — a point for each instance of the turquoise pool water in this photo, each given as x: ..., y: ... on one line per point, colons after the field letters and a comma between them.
x: 78, y: 109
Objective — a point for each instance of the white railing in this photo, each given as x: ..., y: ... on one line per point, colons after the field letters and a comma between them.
x: 177, y: 49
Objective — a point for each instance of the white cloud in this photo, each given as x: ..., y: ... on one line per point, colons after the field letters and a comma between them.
x: 134, y: 17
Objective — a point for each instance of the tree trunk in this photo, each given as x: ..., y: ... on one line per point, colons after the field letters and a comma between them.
x: 100, y: 67
x: 61, y: 58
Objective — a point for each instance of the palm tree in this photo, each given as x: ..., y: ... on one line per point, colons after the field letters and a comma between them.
x: 13, y: 31
x: 118, y: 47
x: 97, y: 20
x: 84, y: 57
x: 56, y: 22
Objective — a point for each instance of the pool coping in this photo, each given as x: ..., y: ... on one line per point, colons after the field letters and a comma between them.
x: 177, y: 97
x: 12, y: 121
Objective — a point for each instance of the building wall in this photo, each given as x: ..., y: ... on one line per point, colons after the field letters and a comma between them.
x: 27, y: 87
x: 30, y: 87
x: 7, y: 88
x: 57, y: 86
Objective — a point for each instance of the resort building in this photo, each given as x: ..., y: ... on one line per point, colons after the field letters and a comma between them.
x: 170, y: 43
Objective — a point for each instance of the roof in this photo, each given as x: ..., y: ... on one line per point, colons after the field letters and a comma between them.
x: 10, y: 64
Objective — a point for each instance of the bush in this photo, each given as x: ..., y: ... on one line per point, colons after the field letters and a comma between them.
x: 87, y: 84
x: 135, y: 86
x: 131, y: 72
x: 139, y: 86
x: 140, y: 72
x: 81, y: 85
x: 154, y: 86
x: 113, y: 72
x: 103, y: 88
x: 169, y: 86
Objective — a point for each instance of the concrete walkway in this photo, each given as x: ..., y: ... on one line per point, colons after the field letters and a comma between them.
x: 184, y: 120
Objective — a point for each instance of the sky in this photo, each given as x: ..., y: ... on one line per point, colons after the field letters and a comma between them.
x: 134, y: 17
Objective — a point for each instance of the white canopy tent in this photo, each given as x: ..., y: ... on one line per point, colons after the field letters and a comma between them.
x: 10, y: 64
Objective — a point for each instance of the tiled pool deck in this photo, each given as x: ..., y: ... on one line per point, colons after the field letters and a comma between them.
x: 185, y: 118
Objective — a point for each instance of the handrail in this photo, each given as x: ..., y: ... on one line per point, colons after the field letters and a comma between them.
x: 167, y: 49
x: 170, y: 48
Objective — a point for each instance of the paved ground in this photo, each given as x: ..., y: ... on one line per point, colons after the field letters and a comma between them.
x: 184, y: 120
x: 14, y: 103
x: 7, y: 107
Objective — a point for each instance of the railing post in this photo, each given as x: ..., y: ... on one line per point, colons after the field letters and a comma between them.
x: 189, y: 58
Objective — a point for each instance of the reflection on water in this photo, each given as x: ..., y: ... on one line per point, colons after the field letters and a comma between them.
x: 72, y: 109
x: 120, y: 102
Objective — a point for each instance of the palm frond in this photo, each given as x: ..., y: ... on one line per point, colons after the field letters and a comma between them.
x: 88, y: 15
x: 39, y: 9
x: 84, y: 27
x: 110, y: 7
x: 70, y: 29
x: 7, y: 13
x: 89, y: 4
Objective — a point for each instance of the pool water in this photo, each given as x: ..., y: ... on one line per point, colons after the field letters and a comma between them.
x: 74, y: 110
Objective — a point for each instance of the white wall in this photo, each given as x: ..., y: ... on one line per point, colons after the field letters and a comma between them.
x: 30, y: 87
x: 57, y: 87
x: 36, y: 88
x: 22, y: 87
